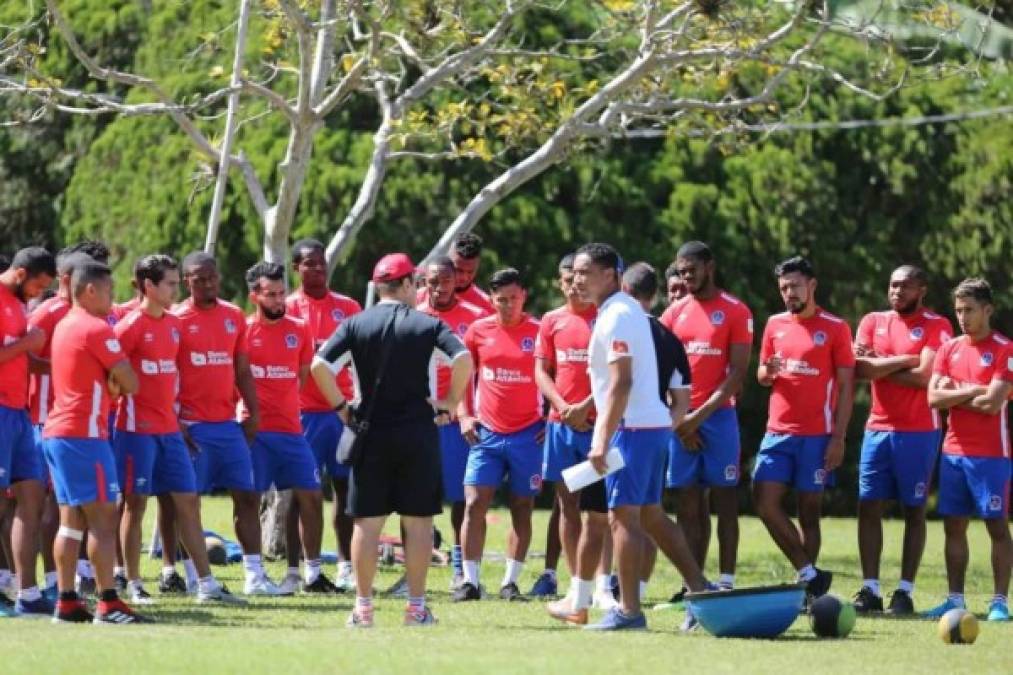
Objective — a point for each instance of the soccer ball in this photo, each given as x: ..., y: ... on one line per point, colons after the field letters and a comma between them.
x: 831, y: 617
x: 958, y: 627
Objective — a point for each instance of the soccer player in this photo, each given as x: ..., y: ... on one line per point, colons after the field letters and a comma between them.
x: 972, y: 378
x: 88, y: 369
x: 323, y: 310
x: 807, y: 359
x: 281, y: 350
x: 894, y: 351
x: 443, y: 303
x: 151, y: 456
x: 214, y: 363
x: 675, y: 287
x: 30, y: 273
x: 716, y: 329
x: 505, y: 432
x: 466, y: 254
x: 624, y: 366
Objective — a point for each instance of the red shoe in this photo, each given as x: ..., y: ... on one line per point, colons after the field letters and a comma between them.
x: 72, y: 611
x: 117, y: 612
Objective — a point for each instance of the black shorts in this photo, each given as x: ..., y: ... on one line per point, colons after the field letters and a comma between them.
x: 400, y: 472
x: 592, y: 498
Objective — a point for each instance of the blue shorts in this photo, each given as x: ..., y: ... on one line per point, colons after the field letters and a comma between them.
x: 454, y: 452
x: 223, y: 457
x: 40, y: 450
x: 285, y: 461
x: 153, y: 464
x: 974, y: 486
x: 794, y: 460
x: 322, y: 431
x: 83, y: 470
x: 716, y: 463
x: 640, y: 481
x: 19, y: 456
x: 499, y: 455
x: 897, y: 465
x: 564, y: 447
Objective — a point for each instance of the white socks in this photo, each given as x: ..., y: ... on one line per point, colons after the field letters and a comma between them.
x: 513, y: 572
x: 253, y: 567
x: 581, y: 592
x: 907, y: 586
x: 312, y: 570
x: 604, y: 583
x: 471, y: 568
x: 872, y: 585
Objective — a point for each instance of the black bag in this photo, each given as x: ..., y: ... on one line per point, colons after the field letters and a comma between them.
x: 350, y: 450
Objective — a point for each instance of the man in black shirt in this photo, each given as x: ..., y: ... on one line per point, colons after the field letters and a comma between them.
x: 399, y: 470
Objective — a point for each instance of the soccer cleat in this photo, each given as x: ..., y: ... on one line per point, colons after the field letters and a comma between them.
x: 466, y: 592
x: 345, y: 581
x: 7, y: 608
x: 51, y: 593
x: 562, y: 610
x: 819, y: 585
x: 290, y: 583
x: 39, y: 608
x: 320, y: 585
x: 456, y: 581
x: 545, y: 586
x: 998, y: 611
x: 866, y: 601
x: 359, y: 619
x: 85, y: 586
x: 220, y: 595
x: 8, y: 589
x: 941, y: 609
x: 421, y: 618
x: 511, y: 593
x: 72, y: 611
x: 399, y: 589
x: 262, y: 586
x: 616, y: 620
x: 120, y: 581
x: 173, y: 584
x: 603, y: 600
x: 116, y: 612
x: 139, y: 596
x: 901, y: 604
x: 690, y: 623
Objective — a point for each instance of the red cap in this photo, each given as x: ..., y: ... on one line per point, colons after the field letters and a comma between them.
x: 392, y: 267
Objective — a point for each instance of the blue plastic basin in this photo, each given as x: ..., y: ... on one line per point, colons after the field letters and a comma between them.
x: 760, y: 612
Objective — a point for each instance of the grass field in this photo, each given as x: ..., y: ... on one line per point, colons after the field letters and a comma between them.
x: 296, y: 635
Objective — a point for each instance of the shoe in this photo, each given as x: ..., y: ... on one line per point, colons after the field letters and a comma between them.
x: 72, y: 611
x: 819, y: 585
x: 562, y: 610
x: 603, y: 600
x: 690, y: 623
x: 117, y: 612
x: 220, y: 595
x: 466, y: 591
x: 941, y: 609
x: 616, y: 620
x: 359, y: 620
x: 866, y: 601
x: 545, y: 586
x: 120, y: 581
x: 423, y: 618
x: 675, y: 602
x: 51, y: 593
x: 34, y: 609
x: 85, y: 586
x: 998, y: 611
x: 139, y: 596
x: 511, y: 593
x: 290, y: 583
x: 320, y: 585
x: 456, y: 581
x: 8, y: 589
x: 345, y: 581
x: 901, y: 604
x: 7, y: 608
x: 262, y: 586
x: 399, y: 589
x: 172, y: 584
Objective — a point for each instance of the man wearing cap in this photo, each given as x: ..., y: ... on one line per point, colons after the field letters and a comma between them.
x: 399, y: 468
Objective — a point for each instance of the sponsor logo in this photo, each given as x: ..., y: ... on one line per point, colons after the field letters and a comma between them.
x: 994, y: 503
x: 731, y: 472
x: 819, y: 476
x: 819, y: 338
x: 571, y: 355
x: 113, y: 345
x: 198, y: 359
x: 987, y: 358
x: 174, y: 334
x: 917, y: 333
x: 620, y: 347
x: 527, y: 344
x: 258, y: 371
x: 167, y: 366
x: 800, y: 367
x: 337, y: 315
x: 291, y: 341
x: 488, y: 373
x: 230, y: 326
x: 717, y: 317
x: 702, y: 348
x: 535, y: 482
x: 149, y: 367
x: 504, y: 375
x: 148, y: 337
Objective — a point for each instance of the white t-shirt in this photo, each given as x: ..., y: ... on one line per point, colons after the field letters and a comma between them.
x: 622, y: 331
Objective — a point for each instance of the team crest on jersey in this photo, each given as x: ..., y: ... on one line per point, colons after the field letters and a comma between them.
x: 337, y: 315
x: 462, y: 328
x: 174, y: 334
x: 230, y: 326
x: 291, y: 341
x: 111, y: 320
x: 527, y: 344
x: 113, y: 345
x: 919, y: 490
x: 819, y: 476
x: 717, y: 317
x: 994, y: 503
x: 819, y: 338
x: 917, y: 333
x: 987, y: 358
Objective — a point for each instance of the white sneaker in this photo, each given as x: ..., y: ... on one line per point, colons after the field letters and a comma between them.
x: 219, y: 595
x: 604, y: 600
x: 357, y: 620
x: 262, y: 586
x: 290, y: 584
x: 139, y: 596
x: 345, y: 581
x: 456, y: 581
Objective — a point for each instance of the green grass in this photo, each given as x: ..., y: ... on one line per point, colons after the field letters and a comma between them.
x: 308, y: 635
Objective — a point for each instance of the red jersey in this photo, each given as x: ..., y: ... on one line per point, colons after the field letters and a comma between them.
x: 969, y: 433
x: 563, y: 340
x: 322, y: 318
x: 473, y: 295
x: 708, y: 329
x: 508, y: 398
x: 894, y: 406
x: 459, y: 318
x: 278, y: 351
x: 152, y: 345
x: 40, y: 385
x: 85, y: 349
x: 804, y: 394
x: 13, y: 372
x: 122, y: 309
x: 210, y: 341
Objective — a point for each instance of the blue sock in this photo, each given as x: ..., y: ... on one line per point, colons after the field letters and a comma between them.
x: 456, y: 560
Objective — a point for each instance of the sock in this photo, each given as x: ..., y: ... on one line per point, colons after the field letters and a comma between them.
x: 872, y: 585
x: 807, y: 573
x: 251, y: 563
x: 168, y: 571
x: 456, y: 559
x: 726, y: 581
x: 207, y: 584
x: 957, y: 599
x: 191, y: 573
x: 582, y: 593
x: 108, y: 595
x: 29, y: 594
x: 417, y: 605
x: 84, y: 569
x: 312, y: 570
x: 363, y: 605
x: 345, y: 568
x: 604, y: 583
x: 907, y: 586
x: 119, y: 571
x: 471, y: 569
x: 513, y: 572
x: 550, y: 573
x: 292, y: 572
x: 643, y: 590
x: 50, y: 579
